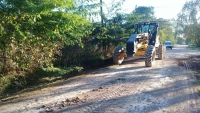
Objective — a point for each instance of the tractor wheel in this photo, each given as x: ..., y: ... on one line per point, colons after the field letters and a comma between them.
x: 150, y: 56
x: 118, y: 55
x: 161, y: 52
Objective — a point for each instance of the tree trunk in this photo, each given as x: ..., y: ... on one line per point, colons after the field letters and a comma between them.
x: 4, y: 60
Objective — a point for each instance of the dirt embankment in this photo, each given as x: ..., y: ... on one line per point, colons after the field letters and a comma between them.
x: 128, y: 88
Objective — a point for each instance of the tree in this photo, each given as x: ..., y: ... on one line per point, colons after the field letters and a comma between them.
x: 188, y: 20
x: 166, y: 31
x: 146, y: 13
x: 31, y: 31
x: 162, y: 35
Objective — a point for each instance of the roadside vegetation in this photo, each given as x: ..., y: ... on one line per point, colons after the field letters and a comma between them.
x: 45, y: 41
x: 188, y: 24
x: 193, y: 48
x: 192, y: 63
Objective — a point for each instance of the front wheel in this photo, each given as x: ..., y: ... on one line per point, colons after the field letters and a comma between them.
x: 119, y: 55
x: 150, y: 56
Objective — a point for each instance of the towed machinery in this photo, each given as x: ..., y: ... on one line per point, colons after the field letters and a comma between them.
x: 144, y: 42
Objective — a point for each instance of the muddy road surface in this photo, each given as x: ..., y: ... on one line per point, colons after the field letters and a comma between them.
x: 127, y: 88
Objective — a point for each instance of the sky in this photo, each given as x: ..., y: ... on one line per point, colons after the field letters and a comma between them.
x: 166, y: 9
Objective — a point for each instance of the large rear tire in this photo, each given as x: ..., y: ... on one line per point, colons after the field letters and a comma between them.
x: 150, y: 56
x: 117, y: 57
x: 161, y: 52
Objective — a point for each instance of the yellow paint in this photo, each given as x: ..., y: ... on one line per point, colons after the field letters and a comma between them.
x: 141, y: 51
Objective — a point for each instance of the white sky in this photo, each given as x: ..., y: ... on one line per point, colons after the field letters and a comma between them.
x: 166, y: 9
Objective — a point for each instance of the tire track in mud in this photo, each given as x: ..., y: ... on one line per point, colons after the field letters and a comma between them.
x: 146, y: 100
x: 114, y: 91
x: 101, y: 99
x: 109, y: 96
x: 188, y: 66
x: 184, y: 90
x: 180, y: 88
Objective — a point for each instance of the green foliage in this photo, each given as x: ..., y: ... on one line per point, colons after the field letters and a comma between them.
x: 94, y: 60
x: 145, y: 13
x: 5, y: 83
x: 29, y: 37
x: 180, y: 40
x: 188, y: 22
x: 162, y: 36
x: 166, y: 32
x: 112, y: 8
x: 192, y: 34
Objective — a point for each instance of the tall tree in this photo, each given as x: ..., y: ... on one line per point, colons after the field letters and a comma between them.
x: 31, y: 30
x: 146, y: 13
x: 166, y: 31
x: 188, y: 20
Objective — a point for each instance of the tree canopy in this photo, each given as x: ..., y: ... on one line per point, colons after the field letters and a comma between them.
x: 146, y: 13
x: 188, y: 22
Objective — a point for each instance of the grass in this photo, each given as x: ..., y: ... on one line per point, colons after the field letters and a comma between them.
x: 193, y: 48
x: 14, y: 83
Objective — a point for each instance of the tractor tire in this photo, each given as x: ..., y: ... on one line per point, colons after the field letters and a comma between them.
x: 117, y: 58
x: 150, y: 56
x: 161, y: 52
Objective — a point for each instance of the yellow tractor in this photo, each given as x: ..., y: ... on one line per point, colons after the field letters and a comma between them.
x: 144, y: 42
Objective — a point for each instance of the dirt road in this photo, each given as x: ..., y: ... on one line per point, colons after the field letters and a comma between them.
x: 128, y: 88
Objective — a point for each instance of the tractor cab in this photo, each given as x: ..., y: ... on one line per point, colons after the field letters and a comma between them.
x: 145, y: 34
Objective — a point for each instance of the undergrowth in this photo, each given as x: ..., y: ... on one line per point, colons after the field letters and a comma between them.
x: 14, y: 83
x: 194, y: 67
x: 193, y: 48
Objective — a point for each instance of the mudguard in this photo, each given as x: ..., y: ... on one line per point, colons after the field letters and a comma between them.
x: 131, y: 45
